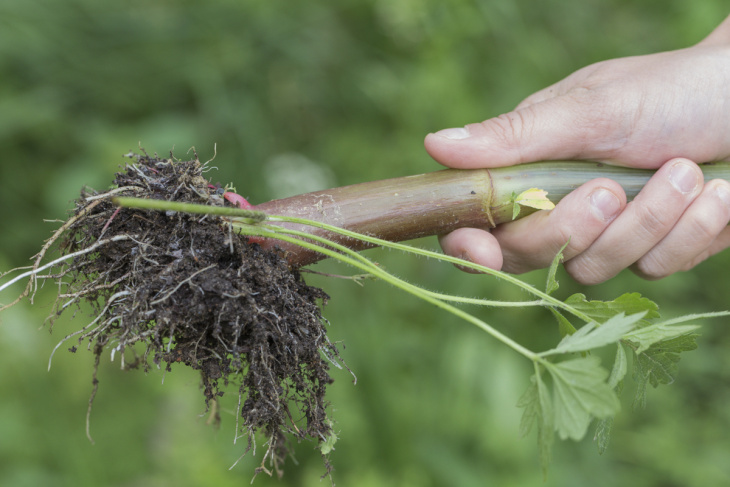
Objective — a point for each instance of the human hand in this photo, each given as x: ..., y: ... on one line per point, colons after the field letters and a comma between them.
x: 657, y: 111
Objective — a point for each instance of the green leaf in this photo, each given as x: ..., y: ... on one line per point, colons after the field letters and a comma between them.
x: 532, y: 410
x: 580, y: 394
x: 629, y: 303
x: 565, y: 327
x: 658, y: 364
x: 538, y: 408
x: 697, y: 316
x: 329, y: 444
x: 620, y: 367
x: 649, y: 335
x: 593, y: 335
x: 545, y: 429
x: 515, y: 206
x: 535, y: 198
x: 552, y: 283
x: 602, y: 436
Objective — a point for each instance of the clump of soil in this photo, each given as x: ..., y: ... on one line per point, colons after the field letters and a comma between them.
x: 174, y: 288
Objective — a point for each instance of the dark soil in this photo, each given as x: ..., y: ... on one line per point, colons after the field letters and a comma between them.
x: 174, y: 288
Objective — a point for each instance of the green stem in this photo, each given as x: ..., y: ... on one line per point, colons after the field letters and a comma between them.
x: 374, y: 241
x: 404, y: 248
x: 247, y: 216
x: 356, y: 262
x: 163, y: 205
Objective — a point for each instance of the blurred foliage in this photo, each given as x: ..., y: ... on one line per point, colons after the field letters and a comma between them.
x: 348, y: 87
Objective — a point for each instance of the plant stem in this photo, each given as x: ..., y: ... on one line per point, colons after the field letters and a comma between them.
x: 439, y: 202
x: 352, y: 258
x: 545, y: 300
x: 313, y: 231
x: 150, y: 204
x: 310, y: 226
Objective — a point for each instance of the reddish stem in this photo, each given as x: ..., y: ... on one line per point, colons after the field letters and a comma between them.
x: 439, y: 202
x: 237, y: 200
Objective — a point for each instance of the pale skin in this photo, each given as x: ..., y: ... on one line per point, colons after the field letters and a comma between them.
x: 666, y: 111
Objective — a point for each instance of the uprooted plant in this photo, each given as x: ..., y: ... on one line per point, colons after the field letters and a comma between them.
x: 177, y: 269
x: 187, y: 289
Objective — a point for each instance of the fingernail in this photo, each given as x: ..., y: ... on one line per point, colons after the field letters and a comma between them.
x: 464, y: 256
x: 604, y: 204
x: 455, y: 133
x: 723, y: 193
x: 684, y: 178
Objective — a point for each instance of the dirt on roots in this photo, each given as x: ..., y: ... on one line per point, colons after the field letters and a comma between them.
x: 169, y: 288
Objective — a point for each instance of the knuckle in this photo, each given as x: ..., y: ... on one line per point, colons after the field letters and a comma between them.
x: 696, y: 260
x: 577, y: 242
x: 703, y: 230
x: 653, y: 221
x: 516, y: 267
x: 587, y: 272
x: 519, y: 261
x: 509, y: 128
x: 651, y: 269
x: 705, y: 227
x: 524, y: 256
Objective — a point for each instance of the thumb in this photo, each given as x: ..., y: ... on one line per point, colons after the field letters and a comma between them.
x: 563, y: 127
x: 719, y: 36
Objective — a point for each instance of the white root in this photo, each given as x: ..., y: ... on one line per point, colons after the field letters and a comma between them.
x: 33, y: 272
x: 32, y: 283
x: 136, y: 189
x: 157, y: 301
x: 82, y: 330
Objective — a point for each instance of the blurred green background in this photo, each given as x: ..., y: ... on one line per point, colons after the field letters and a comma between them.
x: 297, y: 96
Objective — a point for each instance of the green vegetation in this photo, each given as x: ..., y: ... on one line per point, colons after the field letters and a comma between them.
x: 345, y: 90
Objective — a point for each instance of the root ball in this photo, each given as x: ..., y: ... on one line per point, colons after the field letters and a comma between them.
x: 174, y: 288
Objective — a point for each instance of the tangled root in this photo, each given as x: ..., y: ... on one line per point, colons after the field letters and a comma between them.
x: 172, y: 288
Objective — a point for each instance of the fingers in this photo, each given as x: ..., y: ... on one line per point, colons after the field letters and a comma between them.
x: 475, y: 245
x: 578, y: 220
x: 542, y: 95
x: 720, y: 243
x: 700, y: 232
x: 526, y: 134
x: 674, y: 223
x: 637, y: 111
x: 637, y: 236
x: 532, y: 242
x: 572, y: 126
